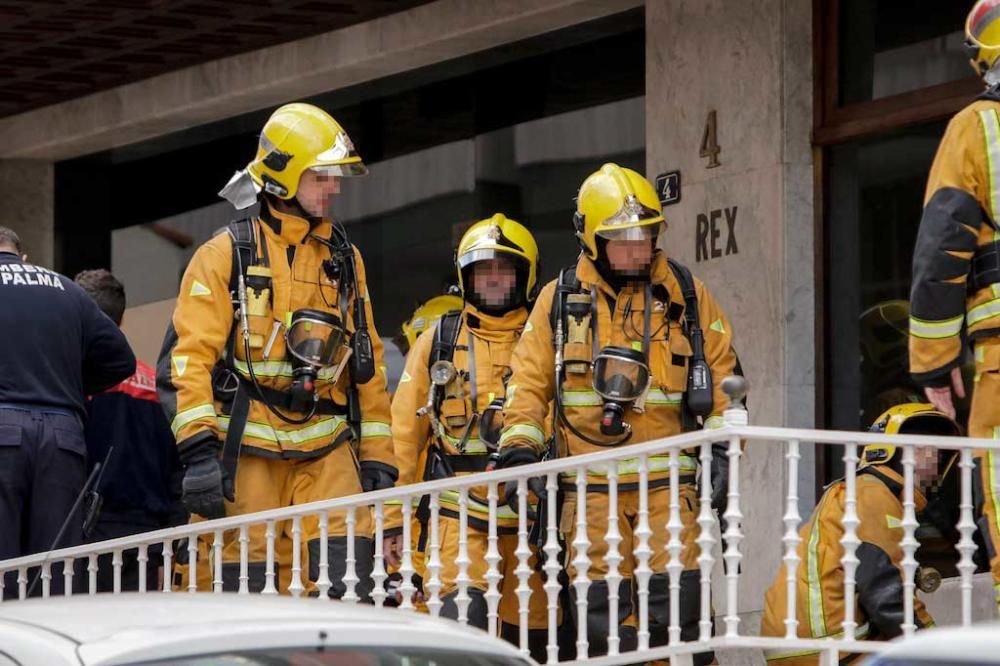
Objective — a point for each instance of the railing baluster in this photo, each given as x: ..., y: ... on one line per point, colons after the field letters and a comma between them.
x: 46, y: 579
x: 523, y: 571
x: 909, y: 542
x: 612, y: 559
x: 68, y: 572
x: 850, y: 541
x: 378, y: 569
x: 142, y: 557
x: 217, y: 562
x: 295, y: 586
x: 492, y: 595
x: 323, y: 582
x: 791, y: 539
x: 674, y: 547
x: 406, y: 587
x: 116, y: 571
x: 92, y: 574
x: 552, y: 566
x: 706, y: 542
x: 22, y: 583
x: 462, y: 580
x: 733, y: 536
x: 581, y: 562
x: 642, y: 553
x: 269, y: 587
x: 168, y: 564
x: 350, y: 570
x: 433, y: 564
x: 192, y: 548
x: 966, y: 528
x: 245, y: 559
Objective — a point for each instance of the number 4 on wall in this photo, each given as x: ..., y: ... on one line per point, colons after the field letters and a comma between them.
x: 710, y: 141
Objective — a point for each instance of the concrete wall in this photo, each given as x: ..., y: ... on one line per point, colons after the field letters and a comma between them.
x: 750, y: 62
x: 26, y: 189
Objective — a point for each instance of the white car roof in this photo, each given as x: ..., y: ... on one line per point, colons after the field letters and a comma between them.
x: 120, y: 628
x: 978, y: 644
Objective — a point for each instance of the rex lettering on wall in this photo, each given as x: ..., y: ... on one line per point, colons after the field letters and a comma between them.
x: 715, y: 234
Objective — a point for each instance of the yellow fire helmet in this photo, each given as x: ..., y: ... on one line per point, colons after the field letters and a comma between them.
x: 618, y: 204
x: 428, y: 314
x: 297, y: 137
x: 982, y: 38
x: 912, y: 418
x: 499, y: 236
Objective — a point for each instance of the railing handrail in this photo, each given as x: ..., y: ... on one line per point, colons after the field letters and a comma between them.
x: 554, y: 466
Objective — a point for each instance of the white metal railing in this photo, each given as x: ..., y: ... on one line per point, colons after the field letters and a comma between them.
x: 734, y: 434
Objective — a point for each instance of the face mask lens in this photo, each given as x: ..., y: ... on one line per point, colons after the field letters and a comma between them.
x: 620, y: 374
x: 315, y: 338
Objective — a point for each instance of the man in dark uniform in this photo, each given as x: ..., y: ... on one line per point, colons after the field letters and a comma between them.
x: 58, y: 349
x: 126, y: 427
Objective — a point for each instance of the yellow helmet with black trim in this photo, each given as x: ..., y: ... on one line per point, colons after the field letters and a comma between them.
x: 912, y: 418
x: 499, y: 236
x: 296, y: 138
x: 982, y: 36
x: 618, y: 204
x: 428, y: 314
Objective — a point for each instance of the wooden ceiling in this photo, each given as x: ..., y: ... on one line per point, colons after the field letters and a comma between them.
x: 55, y: 50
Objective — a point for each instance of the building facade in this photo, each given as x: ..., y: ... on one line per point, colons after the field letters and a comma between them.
x: 795, y: 136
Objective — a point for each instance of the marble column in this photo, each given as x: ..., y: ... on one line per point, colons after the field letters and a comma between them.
x: 745, y: 226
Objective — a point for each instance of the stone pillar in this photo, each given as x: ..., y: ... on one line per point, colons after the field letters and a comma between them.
x: 26, y: 190
x: 745, y: 227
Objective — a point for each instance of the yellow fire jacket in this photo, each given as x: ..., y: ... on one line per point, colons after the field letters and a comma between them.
x: 819, y: 598
x: 488, y: 342
x: 204, y: 319
x: 960, y: 218
x: 620, y: 322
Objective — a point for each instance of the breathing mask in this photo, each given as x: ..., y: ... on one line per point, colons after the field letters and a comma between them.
x: 315, y: 340
x: 621, y: 376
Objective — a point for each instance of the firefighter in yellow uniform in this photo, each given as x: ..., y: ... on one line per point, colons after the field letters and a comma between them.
x: 612, y: 341
x: 819, y: 597
x: 445, y: 420
x: 955, y: 293
x: 268, y: 371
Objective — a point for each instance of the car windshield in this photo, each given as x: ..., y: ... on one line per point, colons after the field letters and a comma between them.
x: 341, y: 656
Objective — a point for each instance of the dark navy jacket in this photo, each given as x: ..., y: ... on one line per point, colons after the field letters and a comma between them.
x: 58, y: 347
x: 138, y: 480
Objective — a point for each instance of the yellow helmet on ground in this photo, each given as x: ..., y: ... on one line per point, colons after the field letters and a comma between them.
x: 297, y: 137
x: 912, y: 418
x: 982, y: 37
x: 499, y: 236
x: 618, y: 204
x: 428, y: 314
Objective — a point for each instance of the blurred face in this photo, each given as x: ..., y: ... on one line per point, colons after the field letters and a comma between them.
x: 316, y: 192
x: 494, y: 281
x: 925, y: 469
x: 629, y: 257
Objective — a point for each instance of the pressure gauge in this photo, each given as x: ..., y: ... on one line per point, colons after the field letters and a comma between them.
x: 443, y: 373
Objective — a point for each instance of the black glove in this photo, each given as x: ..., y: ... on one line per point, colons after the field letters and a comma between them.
x: 513, y: 456
x: 206, y: 485
x: 377, y: 476
x: 720, y: 477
